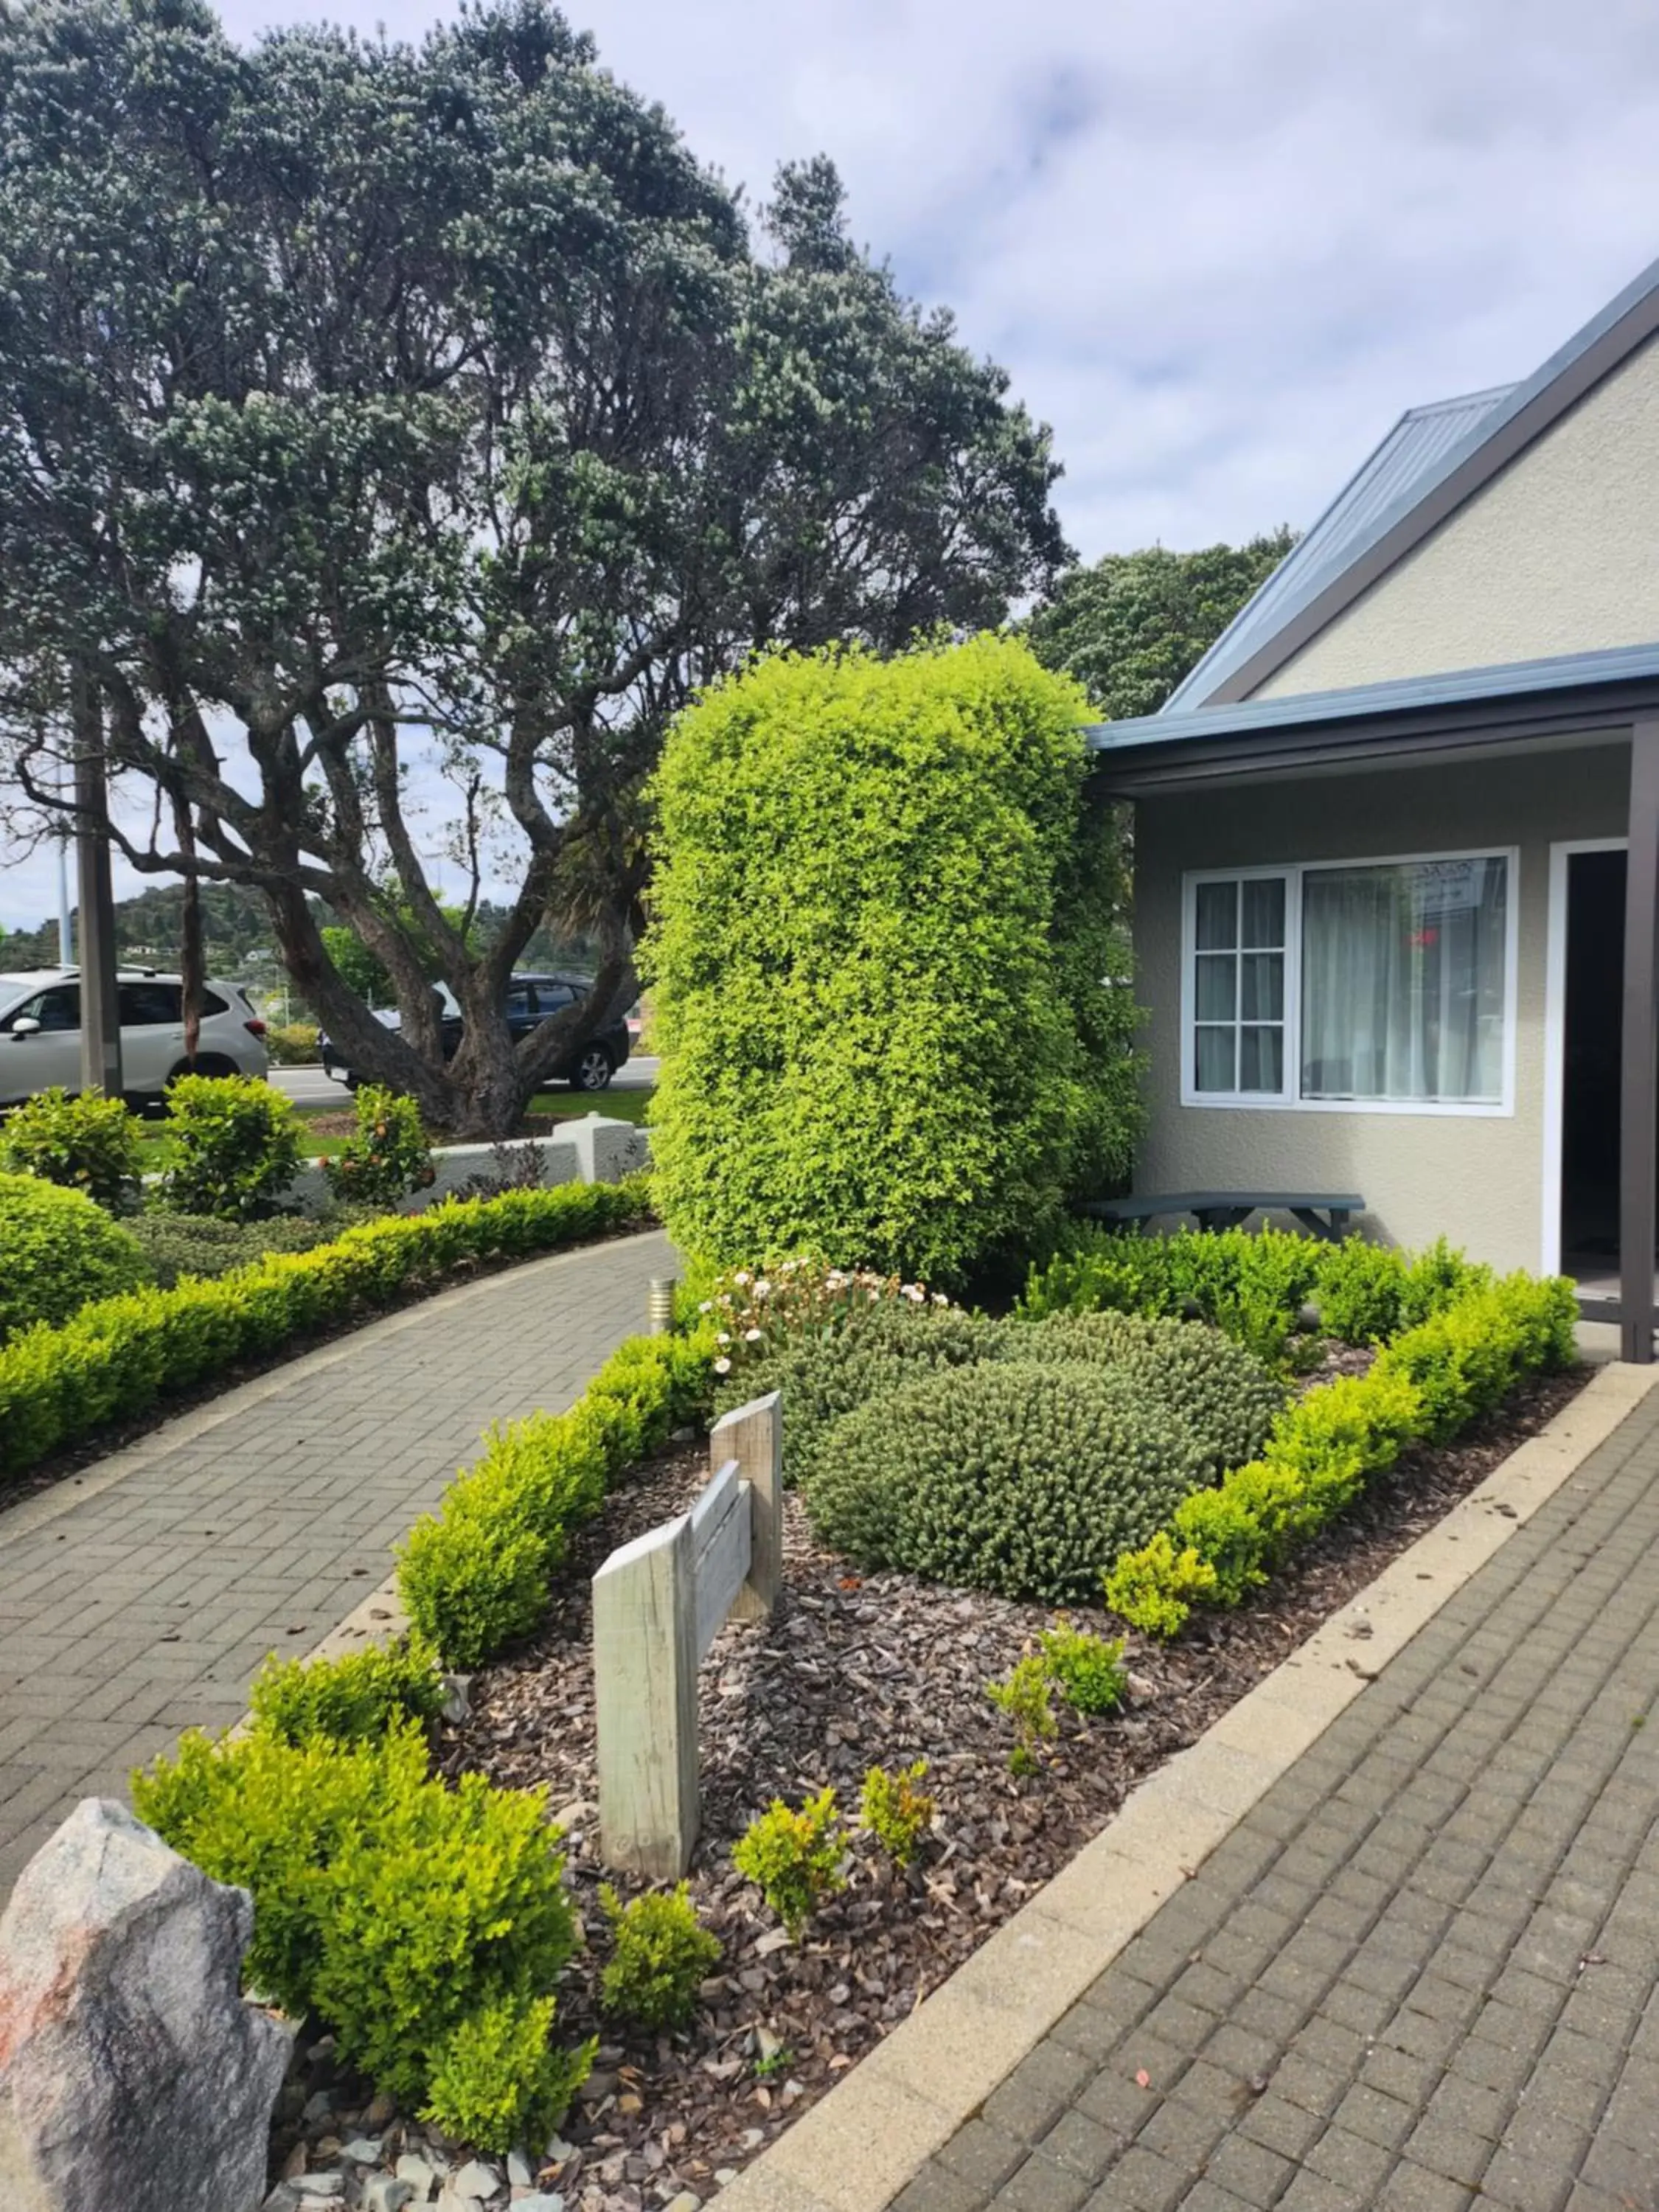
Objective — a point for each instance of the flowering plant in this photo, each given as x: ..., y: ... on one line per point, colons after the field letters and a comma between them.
x: 757, y: 1310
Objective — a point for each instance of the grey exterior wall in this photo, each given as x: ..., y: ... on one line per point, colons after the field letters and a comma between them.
x: 1479, y: 1180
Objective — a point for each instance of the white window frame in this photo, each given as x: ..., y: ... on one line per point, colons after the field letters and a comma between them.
x: 1289, y: 1100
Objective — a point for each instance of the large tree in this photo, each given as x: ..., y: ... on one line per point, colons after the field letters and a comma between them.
x: 1132, y: 625
x: 362, y: 403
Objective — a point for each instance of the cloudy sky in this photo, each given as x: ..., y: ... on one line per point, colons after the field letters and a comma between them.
x: 1218, y: 244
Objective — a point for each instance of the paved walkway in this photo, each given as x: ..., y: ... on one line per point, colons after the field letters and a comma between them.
x: 140, y: 1597
x: 1422, y: 1975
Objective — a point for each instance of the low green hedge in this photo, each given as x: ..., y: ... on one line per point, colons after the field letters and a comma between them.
x: 474, y: 1576
x: 116, y: 1357
x: 1429, y: 1382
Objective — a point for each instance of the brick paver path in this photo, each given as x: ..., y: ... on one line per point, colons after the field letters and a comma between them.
x: 140, y: 1597
x: 1422, y: 1975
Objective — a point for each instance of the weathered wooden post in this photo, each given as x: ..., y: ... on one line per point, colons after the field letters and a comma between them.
x: 658, y: 1605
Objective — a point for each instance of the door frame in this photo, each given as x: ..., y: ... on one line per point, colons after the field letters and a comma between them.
x: 1555, y: 1035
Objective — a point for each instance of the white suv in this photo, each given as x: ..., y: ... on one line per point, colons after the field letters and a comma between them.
x: 41, y: 1033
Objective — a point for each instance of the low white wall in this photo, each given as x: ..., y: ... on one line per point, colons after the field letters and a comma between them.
x: 592, y: 1150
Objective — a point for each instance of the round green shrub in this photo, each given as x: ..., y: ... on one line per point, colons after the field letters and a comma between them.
x: 882, y: 912
x: 57, y: 1251
x: 1223, y: 1393
x: 1024, y: 1479
x: 83, y: 1141
x: 869, y: 1357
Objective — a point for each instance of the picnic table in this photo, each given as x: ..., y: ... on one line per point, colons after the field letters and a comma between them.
x: 1323, y: 1213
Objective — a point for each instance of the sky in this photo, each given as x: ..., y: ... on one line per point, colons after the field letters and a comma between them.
x: 1219, y: 245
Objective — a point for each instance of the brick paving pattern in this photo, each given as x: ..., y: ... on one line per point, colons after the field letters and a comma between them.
x: 147, y: 1605
x: 1421, y: 1976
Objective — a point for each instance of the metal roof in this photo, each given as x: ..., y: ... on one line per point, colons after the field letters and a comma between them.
x: 1365, y: 701
x: 1433, y: 460
x: 1421, y: 439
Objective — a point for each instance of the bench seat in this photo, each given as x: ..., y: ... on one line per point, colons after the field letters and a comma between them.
x: 1324, y: 1213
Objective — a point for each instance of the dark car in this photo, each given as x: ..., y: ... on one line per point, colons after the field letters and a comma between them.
x: 530, y: 1000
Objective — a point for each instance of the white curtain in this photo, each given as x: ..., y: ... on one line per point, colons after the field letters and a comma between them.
x: 1403, y: 982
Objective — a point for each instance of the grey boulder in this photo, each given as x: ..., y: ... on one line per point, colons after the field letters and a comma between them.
x: 132, y: 2071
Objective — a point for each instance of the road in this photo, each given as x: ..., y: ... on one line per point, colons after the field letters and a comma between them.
x: 309, y: 1087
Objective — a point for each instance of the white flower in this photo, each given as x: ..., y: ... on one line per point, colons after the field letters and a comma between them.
x: 912, y: 1292
x: 722, y: 1367
x: 722, y: 1336
x: 762, y: 1288
x: 740, y: 1275
x: 751, y: 1336
x: 939, y: 1298
x: 707, y: 1306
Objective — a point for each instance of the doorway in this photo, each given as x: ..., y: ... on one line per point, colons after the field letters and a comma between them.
x: 1592, y: 1016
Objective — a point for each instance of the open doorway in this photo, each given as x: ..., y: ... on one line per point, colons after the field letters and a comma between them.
x: 1592, y: 1019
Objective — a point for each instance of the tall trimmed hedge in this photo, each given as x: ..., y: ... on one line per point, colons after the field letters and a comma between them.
x: 884, y: 939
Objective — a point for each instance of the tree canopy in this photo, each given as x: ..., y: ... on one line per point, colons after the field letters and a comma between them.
x: 365, y: 405
x: 1130, y: 627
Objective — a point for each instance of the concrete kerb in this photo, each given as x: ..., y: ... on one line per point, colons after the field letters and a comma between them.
x: 859, y: 2148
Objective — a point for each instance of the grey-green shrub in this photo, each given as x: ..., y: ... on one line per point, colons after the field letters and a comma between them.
x: 57, y: 1252
x: 868, y: 1357
x: 1223, y: 1393
x: 180, y: 1244
x: 1011, y: 1477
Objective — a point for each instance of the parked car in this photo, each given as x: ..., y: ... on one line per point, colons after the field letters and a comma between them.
x: 530, y: 1000
x: 41, y: 1033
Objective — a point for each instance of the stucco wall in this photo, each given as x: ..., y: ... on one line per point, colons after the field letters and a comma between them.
x: 1559, y: 553
x: 1478, y: 1180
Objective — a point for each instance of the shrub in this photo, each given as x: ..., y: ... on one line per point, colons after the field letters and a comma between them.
x: 1023, y: 1695
x: 235, y: 1145
x: 1155, y: 1588
x: 875, y: 1352
x: 426, y: 1926
x: 293, y: 1044
x: 117, y: 1357
x: 1088, y: 1671
x: 175, y: 1245
x: 896, y: 1810
x: 474, y: 1576
x: 57, y: 1252
x: 878, y: 1044
x: 388, y: 1158
x: 1223, y: 1393
x: 1022, y: 1479
x: 794, y: 1858
x: 759, y: 1312
x: 87, y: 1143
x: 661, y: 1954
x: 1461, y: 1361
x: 353, y: 1700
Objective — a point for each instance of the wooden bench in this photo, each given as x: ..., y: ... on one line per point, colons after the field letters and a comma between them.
x: 1322, y: 1214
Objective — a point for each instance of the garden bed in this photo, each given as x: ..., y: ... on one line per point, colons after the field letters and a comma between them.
x: 858, y: 1671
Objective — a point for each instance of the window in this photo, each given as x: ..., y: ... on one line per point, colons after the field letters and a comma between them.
x: 56, y: 1009
x: 1376, y: 983
x: 553, y: 998
x: 149, y: 1005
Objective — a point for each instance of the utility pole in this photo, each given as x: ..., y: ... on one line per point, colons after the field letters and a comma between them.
x: 100, y: 1016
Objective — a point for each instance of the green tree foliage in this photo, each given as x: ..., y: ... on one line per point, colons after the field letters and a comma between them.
x: 362, y: 402
x: 1129, y: 628
x: 872, y: 1046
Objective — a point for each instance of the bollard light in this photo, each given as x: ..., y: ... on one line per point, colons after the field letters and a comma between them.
x: 660, y: 1306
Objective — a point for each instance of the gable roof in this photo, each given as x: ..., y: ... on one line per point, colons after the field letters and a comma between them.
x: 1433, y: 460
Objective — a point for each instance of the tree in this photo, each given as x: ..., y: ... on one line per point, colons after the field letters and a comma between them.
x: 358, y: 400
x: 1131, y: 626
x: 882, y: 961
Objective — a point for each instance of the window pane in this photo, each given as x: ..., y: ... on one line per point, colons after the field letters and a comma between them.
x: 1218, y: 976
x: 1217, y: 917
x: 1261, y: 987
x: 1261, y: 1060
x: 1264, y: 911
x: 1215, y: 1059
x: 147, y: 1005
x: 1403, y: 982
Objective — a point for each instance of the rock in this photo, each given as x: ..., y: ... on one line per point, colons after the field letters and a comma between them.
x: 379, y: 2110
x: 543, y: 2201
x: 285, y: 2198
x: 317, y: 2106
x: 322, y: 2189
x: 362, y: 2150
x: 132, y: 2070
x: 421, y: 2177
x: 476, y: 2181
x: 519, y: 2175
x: 685, y: 2202
x: 384, y: 2192
x: 457, y: 1698
x: 558, y: 2151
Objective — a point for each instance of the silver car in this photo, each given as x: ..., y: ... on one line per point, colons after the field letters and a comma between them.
x: 41, y: 1033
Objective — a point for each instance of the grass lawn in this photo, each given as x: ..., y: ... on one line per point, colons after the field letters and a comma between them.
x: 318, y: 1144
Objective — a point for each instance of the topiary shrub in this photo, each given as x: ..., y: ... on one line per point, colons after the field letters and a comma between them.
x: 388, y: 1158
x: 293, y: 1044
x: 661, y: 1954
x: 427, y: 1926
x: 881, y: 1043
x: 86, y: 1142
x: 175, y: 1245
x: 235, y: 1147
x: 1023, y: 1480
x: 57, y: 1252
x: 1223, y: 1393
x: 874, y: 1352
x: 355, y: 1699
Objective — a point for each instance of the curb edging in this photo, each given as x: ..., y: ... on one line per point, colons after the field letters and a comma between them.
x: 860, y: 2146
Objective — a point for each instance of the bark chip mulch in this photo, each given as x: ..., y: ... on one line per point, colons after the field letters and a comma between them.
x: 856, y: 1671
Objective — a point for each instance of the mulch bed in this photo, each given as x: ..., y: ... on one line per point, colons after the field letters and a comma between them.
x: 854, y: 1672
